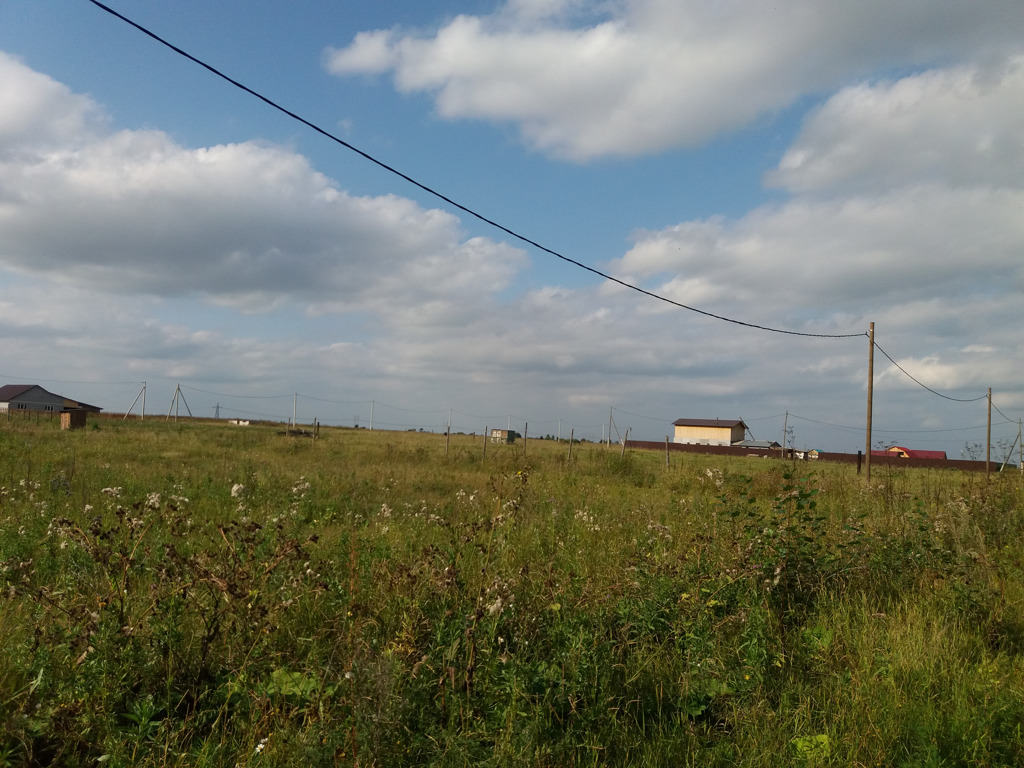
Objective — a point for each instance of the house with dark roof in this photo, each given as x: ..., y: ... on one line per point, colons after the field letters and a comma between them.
x: 759, y: 445
x: 31, y: 398
x: 709, y: 431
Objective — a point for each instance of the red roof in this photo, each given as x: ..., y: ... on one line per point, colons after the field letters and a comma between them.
x: 910, y: 453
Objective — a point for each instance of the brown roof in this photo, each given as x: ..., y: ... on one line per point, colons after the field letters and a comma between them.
x: 9, y: 391
x: 725, y: 423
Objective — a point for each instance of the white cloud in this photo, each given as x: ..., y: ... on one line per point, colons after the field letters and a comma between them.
x: 962, y: 126
x: 37, y: 113
x: 249, y: 225
x: 840, y: 255
x: 639, y: 76
x: 906, y: 212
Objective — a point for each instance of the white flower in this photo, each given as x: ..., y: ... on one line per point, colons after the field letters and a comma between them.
x: 237, y: 490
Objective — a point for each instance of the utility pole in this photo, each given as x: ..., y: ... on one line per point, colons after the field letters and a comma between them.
x: 141, y: 394
x: 988, y: 434
x: 371, y: 415
x: 295, y: 406
x: 178, y: 398
x: 871, y: 391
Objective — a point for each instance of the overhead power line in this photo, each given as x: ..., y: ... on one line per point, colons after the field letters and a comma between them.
x: 925, y: 386
x: 450, y: 201
x: 1001, y: 413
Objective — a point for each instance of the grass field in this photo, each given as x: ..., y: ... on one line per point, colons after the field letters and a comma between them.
x: 195, y: 594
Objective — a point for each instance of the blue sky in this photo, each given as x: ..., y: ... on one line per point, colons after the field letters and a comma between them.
x: 801, y: 166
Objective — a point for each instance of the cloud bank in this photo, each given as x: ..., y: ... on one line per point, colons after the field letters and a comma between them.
x: 250, y: 225
x: 583, y: 80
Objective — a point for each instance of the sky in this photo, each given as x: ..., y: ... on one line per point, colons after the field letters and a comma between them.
x: 807, y: 167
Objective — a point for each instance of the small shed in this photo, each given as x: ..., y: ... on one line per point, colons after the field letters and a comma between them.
x: 72, y: 419
x: 503, y: 436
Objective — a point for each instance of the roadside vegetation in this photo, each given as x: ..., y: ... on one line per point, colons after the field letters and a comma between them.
x: 195, y: 594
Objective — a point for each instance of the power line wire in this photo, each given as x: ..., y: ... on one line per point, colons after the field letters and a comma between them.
x: 896, y: 431
x: 1002, y: 414
x: 925, y: 386
x: 227, y: 394
x: 452, y: 202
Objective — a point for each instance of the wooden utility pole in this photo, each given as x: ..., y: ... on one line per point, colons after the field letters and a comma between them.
x: 666, y: 452
x: 572, y: 435
x: 988, y: 433
x: 871, y: 392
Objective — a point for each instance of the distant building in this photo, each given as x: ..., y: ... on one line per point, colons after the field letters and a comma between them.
x: 29, y: 398
x: 760, y: 445
x: 910, y: 453
x: 709, y: 431
x: 503, y: 436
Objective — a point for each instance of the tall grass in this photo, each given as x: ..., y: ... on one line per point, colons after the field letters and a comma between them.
x: 194, y: 594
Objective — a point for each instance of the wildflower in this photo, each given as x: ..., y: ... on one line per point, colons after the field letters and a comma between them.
x: 237, y: 490
x: 261, y: 746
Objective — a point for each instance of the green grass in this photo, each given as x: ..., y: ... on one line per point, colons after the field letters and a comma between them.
x: 198, y: 594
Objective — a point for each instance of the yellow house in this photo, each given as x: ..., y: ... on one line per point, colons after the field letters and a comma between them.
x: 709, y: 431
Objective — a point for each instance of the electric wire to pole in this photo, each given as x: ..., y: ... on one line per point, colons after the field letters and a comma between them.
x: 450, y: 201
x: 925, y: 386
